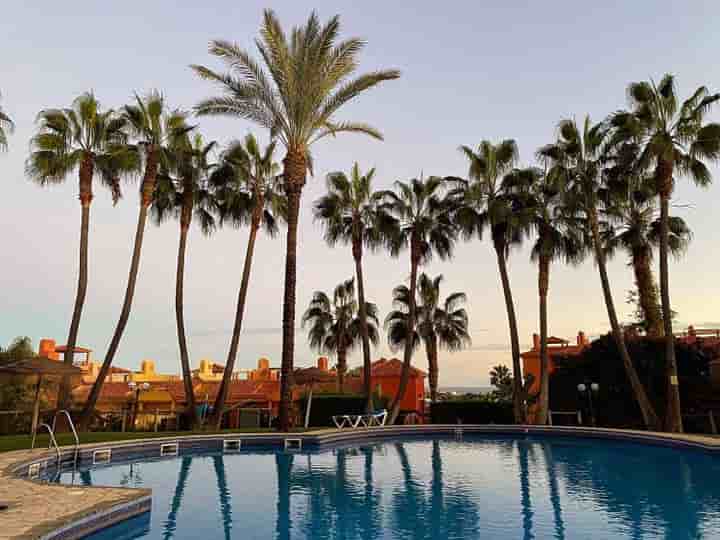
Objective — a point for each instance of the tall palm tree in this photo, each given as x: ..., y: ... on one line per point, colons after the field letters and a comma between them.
x: 578, y: 158
x: 295, y: 92
x: 675, y: 141
x: 440, y: 323
x: 484, y: 201
x: 184, y: 192
x: 334, y: 326
x: 350, y: 214
x: 250, y: 193
x: 425, y: 225
x: 156, y: 130
x: 553, y: 241
x: 633, y: 225
x: 85, y: 138
x: 6, y: 126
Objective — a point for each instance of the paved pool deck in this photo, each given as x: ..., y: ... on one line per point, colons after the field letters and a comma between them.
x: 41, y: 510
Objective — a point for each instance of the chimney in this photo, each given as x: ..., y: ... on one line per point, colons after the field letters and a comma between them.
x: 322, y: 363
x: 536, y: 342
x: 47, y: 349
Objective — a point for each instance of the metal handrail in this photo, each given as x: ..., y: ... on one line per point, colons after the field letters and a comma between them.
x: 74, y: 432
x: 53, y: 442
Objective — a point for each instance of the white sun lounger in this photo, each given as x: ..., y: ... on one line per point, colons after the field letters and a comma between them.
x: 352, y: 421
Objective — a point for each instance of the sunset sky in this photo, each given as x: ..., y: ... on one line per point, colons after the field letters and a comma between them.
x: 470, y: 71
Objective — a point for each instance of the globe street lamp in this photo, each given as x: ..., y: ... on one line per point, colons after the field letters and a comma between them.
x: 588, y: 389
x: 137, y: 388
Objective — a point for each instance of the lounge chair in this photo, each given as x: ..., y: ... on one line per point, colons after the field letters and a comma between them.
x: 346, y: 420
x: 376, y: 418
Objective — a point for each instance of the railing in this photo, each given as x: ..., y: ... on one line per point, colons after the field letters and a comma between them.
x: 74, y: 432
x: 53, y: 442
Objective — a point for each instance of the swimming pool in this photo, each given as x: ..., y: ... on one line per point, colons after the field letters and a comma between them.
x: 497, y: 487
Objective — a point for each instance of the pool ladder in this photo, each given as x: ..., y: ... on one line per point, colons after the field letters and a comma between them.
x: 53, y: 441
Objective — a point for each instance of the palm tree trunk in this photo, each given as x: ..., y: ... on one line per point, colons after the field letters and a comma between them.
x: 148, y: 187
x: 180, y: 322
x: 518, y: 390
x: 362, y: 308
x: 647, y: 293
x: 650, y: 419
x: 433, y: 368
x: 295, y: 169
x: 543, y: 286
x: 86, y: 197
x: 341, y: 368
x: 407, y: 355
x: 237, y: 327
x: 673, y: 419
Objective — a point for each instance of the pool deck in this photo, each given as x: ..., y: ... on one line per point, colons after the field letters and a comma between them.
x: 55, y: 512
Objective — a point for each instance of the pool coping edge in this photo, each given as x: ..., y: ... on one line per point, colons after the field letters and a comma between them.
x: 136, y: 501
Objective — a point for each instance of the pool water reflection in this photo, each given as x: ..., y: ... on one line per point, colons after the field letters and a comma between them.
x: 431, y: 489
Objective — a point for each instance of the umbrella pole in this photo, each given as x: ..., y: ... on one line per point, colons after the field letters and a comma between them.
x: 36, y: 407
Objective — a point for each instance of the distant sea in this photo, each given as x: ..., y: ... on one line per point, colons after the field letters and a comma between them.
x: 467, y: 389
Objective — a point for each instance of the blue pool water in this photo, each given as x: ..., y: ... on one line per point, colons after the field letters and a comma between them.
x: 495, y: 488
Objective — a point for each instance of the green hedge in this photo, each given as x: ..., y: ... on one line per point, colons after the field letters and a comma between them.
x: 325, y: 406
x: 471, y: 411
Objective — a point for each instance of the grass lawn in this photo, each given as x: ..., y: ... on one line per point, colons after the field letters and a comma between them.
x: 22, y: 442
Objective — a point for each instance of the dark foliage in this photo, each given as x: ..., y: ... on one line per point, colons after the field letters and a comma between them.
x: 471, y: 411
x: 614, y: 403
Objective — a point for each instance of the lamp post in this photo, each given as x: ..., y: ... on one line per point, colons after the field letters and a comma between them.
x: 587, y: 389
x: 137, y: 388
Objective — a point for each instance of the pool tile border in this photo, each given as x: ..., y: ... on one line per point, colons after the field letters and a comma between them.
x: 130, y: 502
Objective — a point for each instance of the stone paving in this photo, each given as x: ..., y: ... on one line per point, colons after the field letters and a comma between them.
x: 36, y: 509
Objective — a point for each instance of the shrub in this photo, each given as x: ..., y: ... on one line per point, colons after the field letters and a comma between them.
x: 471, y: 411
x: 325, y: 406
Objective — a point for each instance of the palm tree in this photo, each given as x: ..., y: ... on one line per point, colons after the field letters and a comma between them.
x: 251, y: 195
x: 553, y: 241
x: 334, y: 325
x: 485, y: 201
x: 675, y: 140
x: 156, y: 130
x: 633, y: 225
x: 350, y: 214
x: 184, y: 193
x: 578, y: 159
x: 6, y: 126
x: 425, y: 225
x: 295, y: 92
x: 87, y: 139
x: 440, y: 324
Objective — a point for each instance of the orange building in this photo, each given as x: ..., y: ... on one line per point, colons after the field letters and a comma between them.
x: 253, y: 388
x: 386, y: 381
x: 557, y: 347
